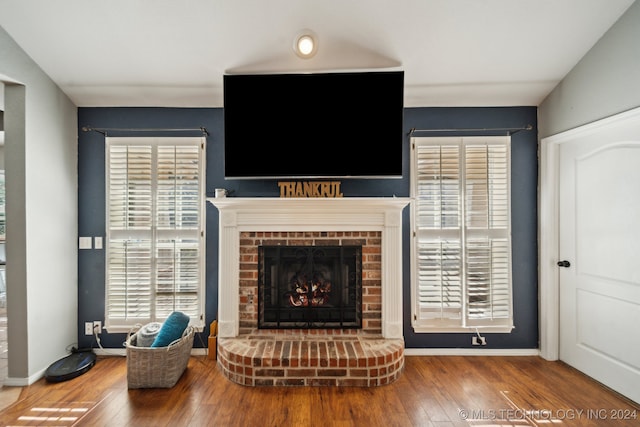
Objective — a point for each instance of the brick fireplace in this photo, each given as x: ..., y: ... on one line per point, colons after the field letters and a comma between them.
x: 367, y: 356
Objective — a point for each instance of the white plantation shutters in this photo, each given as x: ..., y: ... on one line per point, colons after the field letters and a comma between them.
x: 462, y: 238
x: 155, y: 233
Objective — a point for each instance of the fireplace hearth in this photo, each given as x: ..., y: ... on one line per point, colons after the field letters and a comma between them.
x: 309, y: 287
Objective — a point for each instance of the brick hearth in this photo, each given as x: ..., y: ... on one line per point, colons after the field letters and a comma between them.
x: 310, y: 358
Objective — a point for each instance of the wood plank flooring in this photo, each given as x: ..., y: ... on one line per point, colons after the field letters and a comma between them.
x: 432, y: 391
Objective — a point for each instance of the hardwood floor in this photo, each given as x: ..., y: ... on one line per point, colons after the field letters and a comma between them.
x: 432, y: 391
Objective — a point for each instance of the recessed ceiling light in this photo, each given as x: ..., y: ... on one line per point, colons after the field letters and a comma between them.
x: 305, y: 44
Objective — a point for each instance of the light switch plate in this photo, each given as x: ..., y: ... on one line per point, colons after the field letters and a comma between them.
x: 97, y: 242
x: 84, y: 243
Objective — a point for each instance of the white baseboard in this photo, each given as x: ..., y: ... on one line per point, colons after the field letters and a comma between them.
x: 471, y: 352
x: 23, y: 382
x: 123, y: 352
x: 407, y: 352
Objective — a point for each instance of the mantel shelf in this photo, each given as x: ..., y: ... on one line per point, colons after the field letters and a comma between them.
x: 331, y: 203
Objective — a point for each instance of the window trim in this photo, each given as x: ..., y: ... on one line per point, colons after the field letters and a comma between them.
x: 198, y: 322
x: 456, y: 325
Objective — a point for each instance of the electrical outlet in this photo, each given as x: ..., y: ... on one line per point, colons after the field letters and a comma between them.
x: 478, y: 340
x: 97, y: 326
x: 88, y: 328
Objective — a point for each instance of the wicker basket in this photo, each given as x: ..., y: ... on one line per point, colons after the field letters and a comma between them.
x: 157, y: 367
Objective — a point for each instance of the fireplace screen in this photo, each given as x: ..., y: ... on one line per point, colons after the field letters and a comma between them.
x: 309, y: 287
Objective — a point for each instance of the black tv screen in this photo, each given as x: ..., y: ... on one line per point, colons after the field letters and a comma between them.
x: 319, y: 125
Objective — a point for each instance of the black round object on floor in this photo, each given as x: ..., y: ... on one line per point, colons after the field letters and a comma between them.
x: 70, y: 366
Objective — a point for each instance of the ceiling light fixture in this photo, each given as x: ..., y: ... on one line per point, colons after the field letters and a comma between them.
x: 305, y: 44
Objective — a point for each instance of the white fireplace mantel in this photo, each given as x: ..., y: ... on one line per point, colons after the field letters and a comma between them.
x: 309, y: 214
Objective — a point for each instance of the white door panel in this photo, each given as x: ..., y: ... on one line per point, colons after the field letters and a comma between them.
x: 599, y: 217
x: 607, y: 189
x: 603, y: 338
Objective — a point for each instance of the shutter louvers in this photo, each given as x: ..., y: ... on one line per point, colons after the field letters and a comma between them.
x: 130, y: 201
x: 177, y: 277
x: 487, y: 219
x: 440, y: 280
x: 463, y: 268
x: 155, y: 245
x: 178, y: 201
x: 129, y: 285
x: 438, y: 220
x: 438, y: 189
x: 129, y: 219
x: 178, y: 213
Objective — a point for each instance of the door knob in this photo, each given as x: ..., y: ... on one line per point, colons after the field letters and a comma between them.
x: 564, y: 263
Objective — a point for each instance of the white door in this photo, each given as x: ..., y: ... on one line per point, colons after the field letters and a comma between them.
x: 599, y: 220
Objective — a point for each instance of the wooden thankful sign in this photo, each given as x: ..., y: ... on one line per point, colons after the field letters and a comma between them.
x: 310, y: 189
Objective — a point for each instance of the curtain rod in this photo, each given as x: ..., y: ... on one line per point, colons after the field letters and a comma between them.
x: 508, y: 130
x: 105, y: 130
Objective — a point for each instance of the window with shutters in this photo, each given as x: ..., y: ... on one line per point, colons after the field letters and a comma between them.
x: 461, y: 251
x: 155, y: 230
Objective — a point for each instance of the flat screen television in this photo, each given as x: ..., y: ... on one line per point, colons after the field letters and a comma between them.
x: 317, y: 125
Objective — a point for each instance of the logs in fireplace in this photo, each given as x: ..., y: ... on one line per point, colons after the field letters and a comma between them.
x: 306, y: 287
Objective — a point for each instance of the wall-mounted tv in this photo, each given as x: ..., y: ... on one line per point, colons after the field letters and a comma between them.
x: 317, y: 125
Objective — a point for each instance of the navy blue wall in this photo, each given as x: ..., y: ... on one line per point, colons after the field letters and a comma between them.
x: 91, y: 201
x: 524, y: 217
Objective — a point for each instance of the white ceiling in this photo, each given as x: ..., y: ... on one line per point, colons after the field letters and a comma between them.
x: 175, y: 52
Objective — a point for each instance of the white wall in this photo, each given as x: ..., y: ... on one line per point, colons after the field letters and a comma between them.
x: 41, y: 183
x: 1, y: 131
x: 605, y: 82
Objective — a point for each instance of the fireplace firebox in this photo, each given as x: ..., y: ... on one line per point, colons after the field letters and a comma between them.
x: 307, y: 287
